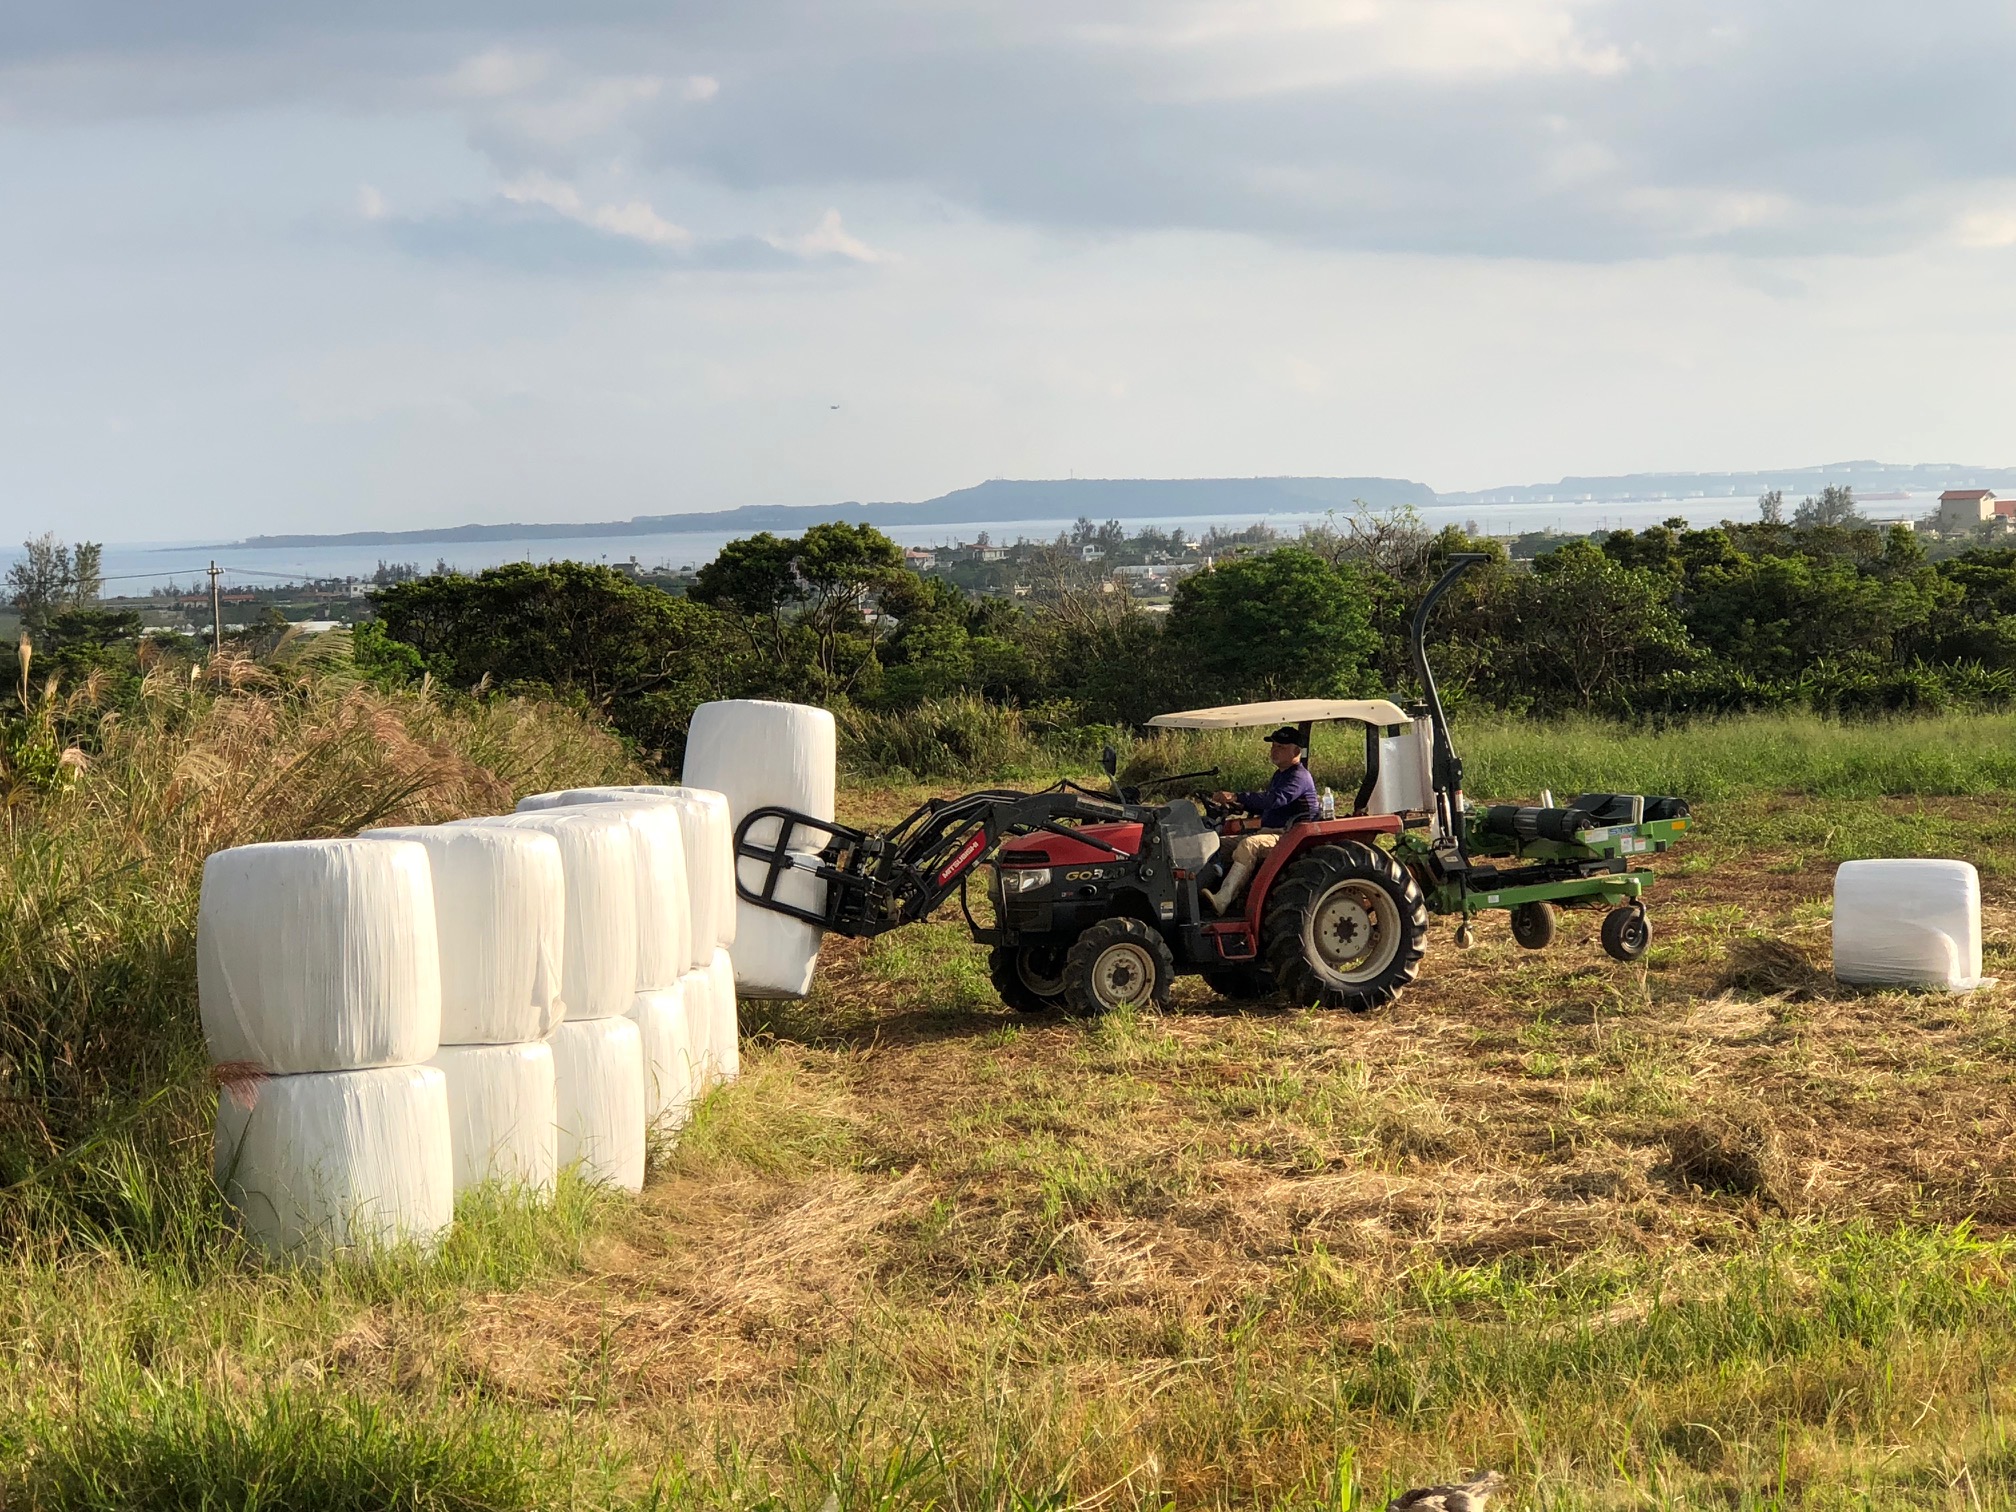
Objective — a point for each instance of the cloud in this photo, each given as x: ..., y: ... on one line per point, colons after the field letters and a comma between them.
x: 1583, y: 130
x: 830, y: 238
x: 538, y: 224
x: 633, y: 219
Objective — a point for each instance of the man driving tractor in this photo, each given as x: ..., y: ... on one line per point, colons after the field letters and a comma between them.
x: 1289, y: 798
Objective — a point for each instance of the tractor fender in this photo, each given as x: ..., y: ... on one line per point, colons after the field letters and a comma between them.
x: 1299, y: 838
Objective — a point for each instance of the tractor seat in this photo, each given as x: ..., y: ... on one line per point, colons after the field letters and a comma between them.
x: 1615, y: 808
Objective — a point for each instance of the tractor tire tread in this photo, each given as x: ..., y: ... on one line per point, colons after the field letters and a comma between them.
x: 1094, y: 942
x: 1007, y: 979
x: 1306, y: 880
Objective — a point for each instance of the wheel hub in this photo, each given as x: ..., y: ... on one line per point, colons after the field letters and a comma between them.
x: 1041, y: 970
x: 1124, y: 976
x: 1353, y: 932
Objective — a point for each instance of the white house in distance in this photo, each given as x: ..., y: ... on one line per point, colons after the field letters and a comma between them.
x: 1964, y: 509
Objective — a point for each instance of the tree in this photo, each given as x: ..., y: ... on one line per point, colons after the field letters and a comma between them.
x: 635, y: 654
x: 1771, y: 506
x: 1835, y: 506
x: 1589, y: 628
x: 1283, y: 624
x: 806, y: 603
x: 50, y: 578
x: 87, y: 575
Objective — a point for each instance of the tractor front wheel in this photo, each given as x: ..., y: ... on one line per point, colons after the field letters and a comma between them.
x: 1344, y: 927
x: 1119, y: 963
x: 1030, y: 978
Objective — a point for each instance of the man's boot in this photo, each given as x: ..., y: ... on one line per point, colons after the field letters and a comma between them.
x: 1228, y: 892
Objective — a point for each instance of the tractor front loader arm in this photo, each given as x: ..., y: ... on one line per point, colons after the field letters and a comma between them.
x: 878, y: 882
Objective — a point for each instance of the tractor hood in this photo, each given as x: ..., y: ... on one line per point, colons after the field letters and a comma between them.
x: 1046, y: 849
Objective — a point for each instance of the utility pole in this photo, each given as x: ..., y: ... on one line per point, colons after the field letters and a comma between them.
x: 216, y: 615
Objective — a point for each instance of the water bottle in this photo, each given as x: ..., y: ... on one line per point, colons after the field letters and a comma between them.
x: 1329, y: 804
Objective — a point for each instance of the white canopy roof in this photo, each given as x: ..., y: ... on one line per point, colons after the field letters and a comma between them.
x: 1287, y: 711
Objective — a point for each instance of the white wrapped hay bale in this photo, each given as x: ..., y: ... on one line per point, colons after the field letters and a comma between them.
x: 708, y: 839
x: 697, y: 993
x: 671, y: 1071
x: 598, y: 959
x: 598, y: 1076
x: 337, y: 1160
x: 760, y: 754
x: 500, y: 916
x: 1908, y: 924
x: 710, y: 869
x: 724, y: 1031
x: 502, y: 1112
x: 664, y: 909
x: 568, y: 797
x: 319, y: 955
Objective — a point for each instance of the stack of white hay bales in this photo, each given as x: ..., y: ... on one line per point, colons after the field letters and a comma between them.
x: 500, y: 915
x: 406, y: 1015
x: 598, y: 1060
x: 691, y: 1038
x: 320, y: 982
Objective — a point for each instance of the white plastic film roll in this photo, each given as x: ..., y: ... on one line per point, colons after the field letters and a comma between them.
x: 724, y: 1035
x: 598, y: 1074
x: 670, y: 1081
x: 1908, y: 923
x: 598, y: 961
x: 318, y: 955
x: 500, y: 914
x: 337, y: 1160
x: 502, y: 1112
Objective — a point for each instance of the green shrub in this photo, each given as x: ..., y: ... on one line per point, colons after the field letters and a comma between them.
x: 960, y: 736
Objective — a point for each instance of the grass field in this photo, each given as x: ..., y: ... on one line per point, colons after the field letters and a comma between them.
x: 1707, y: 1231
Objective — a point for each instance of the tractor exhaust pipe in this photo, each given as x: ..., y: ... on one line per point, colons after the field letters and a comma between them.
x: 1447, y: 770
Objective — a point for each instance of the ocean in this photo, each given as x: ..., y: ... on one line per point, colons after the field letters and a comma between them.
x: 139, y: 567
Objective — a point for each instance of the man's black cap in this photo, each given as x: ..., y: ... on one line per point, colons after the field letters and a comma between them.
x: 1286, y: 735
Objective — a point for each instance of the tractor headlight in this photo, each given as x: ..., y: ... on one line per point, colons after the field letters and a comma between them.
x: 1023, y: 879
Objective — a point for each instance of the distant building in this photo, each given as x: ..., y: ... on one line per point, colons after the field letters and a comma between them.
x: 1964, y: 509
x: 922, y: 558
x: 1091, y: 553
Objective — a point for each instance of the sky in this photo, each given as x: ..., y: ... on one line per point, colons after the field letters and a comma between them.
x: 372, y: 265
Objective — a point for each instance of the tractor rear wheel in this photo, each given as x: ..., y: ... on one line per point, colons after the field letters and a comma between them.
x: 1344, y: 927
x: 1030, y: 978
x: 1118, y: 963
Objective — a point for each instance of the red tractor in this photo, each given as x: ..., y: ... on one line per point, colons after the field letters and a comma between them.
x: 1098, y: 897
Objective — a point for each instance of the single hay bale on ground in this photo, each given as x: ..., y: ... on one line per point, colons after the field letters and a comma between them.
x: 1773, y: 968
x: 1736, y: 1153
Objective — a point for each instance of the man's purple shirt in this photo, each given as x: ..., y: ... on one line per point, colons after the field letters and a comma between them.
x: 1289, y: 798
